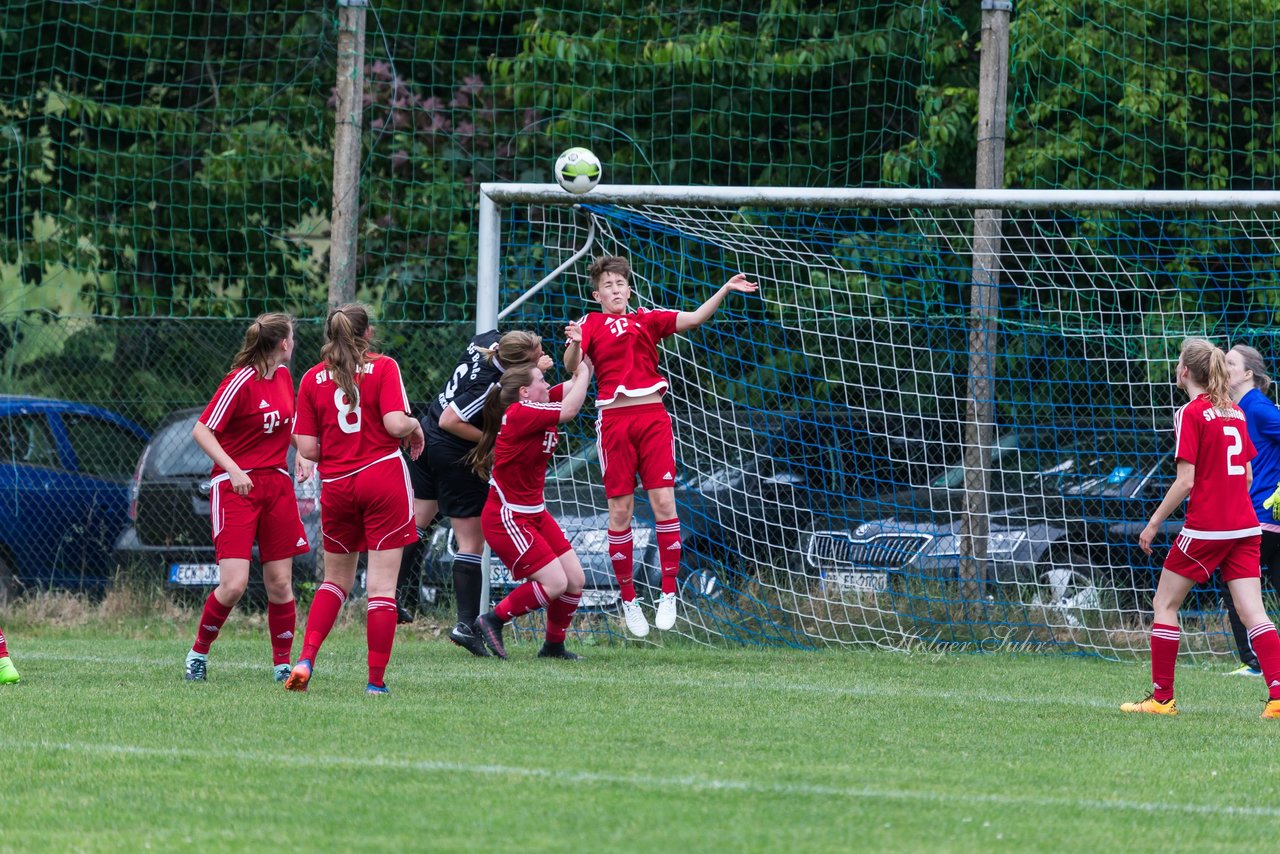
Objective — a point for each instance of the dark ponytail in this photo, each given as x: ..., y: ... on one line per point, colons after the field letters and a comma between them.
x: 500, y: 396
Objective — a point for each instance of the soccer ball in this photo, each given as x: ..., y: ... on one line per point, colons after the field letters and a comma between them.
x: 578, y: 170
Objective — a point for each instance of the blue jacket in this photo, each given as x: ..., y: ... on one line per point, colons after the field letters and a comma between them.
x: 1262, y: 418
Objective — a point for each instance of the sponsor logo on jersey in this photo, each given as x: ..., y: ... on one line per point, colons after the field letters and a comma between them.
x: 263, y: 404
x: 301, y: 541
x: 668, y: 476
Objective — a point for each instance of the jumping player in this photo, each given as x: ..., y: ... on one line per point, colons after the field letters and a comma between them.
x: 1221, y: 530
x: 444, y: 481
x: 8, y: 673
x: 353, y: 414
x: 634, y: 428
x: 245, y: 430
x: 522, y: 415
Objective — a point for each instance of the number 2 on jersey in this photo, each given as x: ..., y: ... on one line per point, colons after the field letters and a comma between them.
x: 348, y: 413
x: 1237, y: 445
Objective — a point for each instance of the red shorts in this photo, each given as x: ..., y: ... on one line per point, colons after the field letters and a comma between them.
x: 371, y: 510
x: 268, y: 514
x: 1197, y: 559
x: 636, y: 440
x: 525, y: 542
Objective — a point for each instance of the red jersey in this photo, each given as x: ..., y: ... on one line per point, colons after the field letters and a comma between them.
x: 623, y: 349
x: 526, y: 440
x: 352, y: 436
x: 1218, y: 445
x: 252, y: 418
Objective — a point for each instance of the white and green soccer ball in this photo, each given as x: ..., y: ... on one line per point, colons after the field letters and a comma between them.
x: 578, y: 170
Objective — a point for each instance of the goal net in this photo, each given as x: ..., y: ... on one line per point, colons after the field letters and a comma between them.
x: 833, y: 431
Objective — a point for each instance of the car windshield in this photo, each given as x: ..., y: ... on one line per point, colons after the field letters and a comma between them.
x: 174, y: 452
x: 1109, y: 465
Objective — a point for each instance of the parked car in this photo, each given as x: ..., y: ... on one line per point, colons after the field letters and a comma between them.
x: 64, y: 470
x: 1065, y: 506
x: 169, y: 507
x: 747, y: 482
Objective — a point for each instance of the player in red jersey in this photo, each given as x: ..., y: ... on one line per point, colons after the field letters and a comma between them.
x: 634, y: 429
x: 8, y: 673
x: 1221, y: 531
x: 520, y: 433
x: 245, y: 430
x: 353, y: 415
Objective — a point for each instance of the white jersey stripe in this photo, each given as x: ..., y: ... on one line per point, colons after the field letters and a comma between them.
x: 1239, y: 533
x: 228, y: 395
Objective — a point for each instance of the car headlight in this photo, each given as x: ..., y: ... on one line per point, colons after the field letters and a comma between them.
x: 998, y: 543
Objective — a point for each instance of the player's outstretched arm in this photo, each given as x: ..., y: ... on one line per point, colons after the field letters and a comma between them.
x: 686, y: 320
x: 573, y: 352
x: 575, y: 391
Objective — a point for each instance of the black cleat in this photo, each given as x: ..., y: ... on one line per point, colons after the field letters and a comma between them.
x: 557, y: 650
x: 403, y: 615
x: 489, y: 627
x: 463, y: 636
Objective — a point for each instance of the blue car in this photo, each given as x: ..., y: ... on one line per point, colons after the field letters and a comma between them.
x: 64, y: 491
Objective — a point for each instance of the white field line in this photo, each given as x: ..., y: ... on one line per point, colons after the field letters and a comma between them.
x: 666, y: 784
x: 496, y: 671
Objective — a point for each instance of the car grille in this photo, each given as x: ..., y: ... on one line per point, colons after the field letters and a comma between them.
x: 882, y: 551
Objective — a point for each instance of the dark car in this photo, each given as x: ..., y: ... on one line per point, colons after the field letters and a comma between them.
x: 748, y: 481
x: 170, y: 535
x: 1065, y: 507
x: 64, y: 470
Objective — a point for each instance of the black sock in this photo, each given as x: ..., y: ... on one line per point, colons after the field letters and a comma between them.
x: 466, y: 586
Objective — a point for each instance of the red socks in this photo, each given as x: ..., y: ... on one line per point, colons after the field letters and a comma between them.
x: 669, y: 548
x: 621, y: 559
x: 560, y: 615
x: 4, y: 647
x: 1164, y: 656
x: 1266, y: 645
x: 525, y: 598
x: 211, y: 620
x: 282, y: 618
x: 380, y: 634
x: 320, y: 618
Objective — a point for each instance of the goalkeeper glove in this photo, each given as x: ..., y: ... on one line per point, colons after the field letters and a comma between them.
x: 1273, y: 503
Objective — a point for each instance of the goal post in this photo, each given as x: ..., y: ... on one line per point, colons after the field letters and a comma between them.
x: 825, y: 489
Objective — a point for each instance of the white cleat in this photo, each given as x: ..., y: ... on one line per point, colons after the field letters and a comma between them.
x: 666, y: 612
x: 636, y: 622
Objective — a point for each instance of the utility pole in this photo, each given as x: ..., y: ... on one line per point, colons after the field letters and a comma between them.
x: 344, y: 236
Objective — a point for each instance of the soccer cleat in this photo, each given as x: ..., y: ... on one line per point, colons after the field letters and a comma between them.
x: 282, y: 672
x: 299, y: 676
x: 1152, y: 706
x: 197, y: 667
x: 489, y: 627
x: 1244, y: 670
x: 8, y: 673
x: 376, y: 689
x: 463, y: 636
x: 1272, y: 709
x: 403, y: 616
x: 557, y: 650
x: 666, y: 612
x: 634, y: 617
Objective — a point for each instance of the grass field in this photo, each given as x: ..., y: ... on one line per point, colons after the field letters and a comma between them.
x: 645, y: 749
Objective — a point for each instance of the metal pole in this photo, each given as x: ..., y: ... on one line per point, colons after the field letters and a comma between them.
x: 490, y: 244
x: 349, y: 119
x: 984, y: 298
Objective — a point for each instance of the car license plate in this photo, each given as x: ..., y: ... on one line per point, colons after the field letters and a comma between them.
x: 598, y: 598
x: 193, y: 574
x: 873, y: 582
